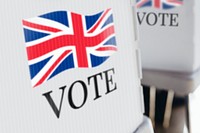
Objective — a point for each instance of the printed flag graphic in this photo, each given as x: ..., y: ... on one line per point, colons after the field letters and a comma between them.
x: 159, y: 4
x: 63, y: 40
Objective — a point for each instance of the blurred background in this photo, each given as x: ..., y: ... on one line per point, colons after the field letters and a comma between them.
x: 184, y: 111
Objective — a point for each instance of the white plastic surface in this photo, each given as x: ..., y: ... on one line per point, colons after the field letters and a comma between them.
x: 171, y: 48
x: 145, y: 127
x: 25, y: 109
x: 194, y: 108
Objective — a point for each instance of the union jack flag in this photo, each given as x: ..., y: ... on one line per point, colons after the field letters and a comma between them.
x: 62, y: 40
x: 160, y: 4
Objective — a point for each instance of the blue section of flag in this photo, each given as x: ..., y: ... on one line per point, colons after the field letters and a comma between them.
x: 60, y: 16
x: 109, y: 20
x: 165, y: 6
x: 91, y: 20
x: 33, y: 35
x: 111, y: 41
x: 95, y: 60
x: 149, y: 3
x: 35, y: 68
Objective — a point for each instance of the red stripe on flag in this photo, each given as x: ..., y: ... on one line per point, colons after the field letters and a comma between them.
x: 40, y: 27
x: 43, y: 48
x: 107, y: 49
x: 176, y: 2
x: 157, y: 3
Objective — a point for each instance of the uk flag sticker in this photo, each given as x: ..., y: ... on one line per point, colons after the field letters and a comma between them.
x: 63, y: 40
x: 159, y: 4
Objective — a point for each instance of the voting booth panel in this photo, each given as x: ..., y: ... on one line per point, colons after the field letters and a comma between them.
x: 169, y: 34
x: 145, y: 127
x: 69, y: 66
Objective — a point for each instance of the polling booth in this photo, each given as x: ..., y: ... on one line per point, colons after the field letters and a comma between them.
x: 69, y: 66
x: 169, y: 40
